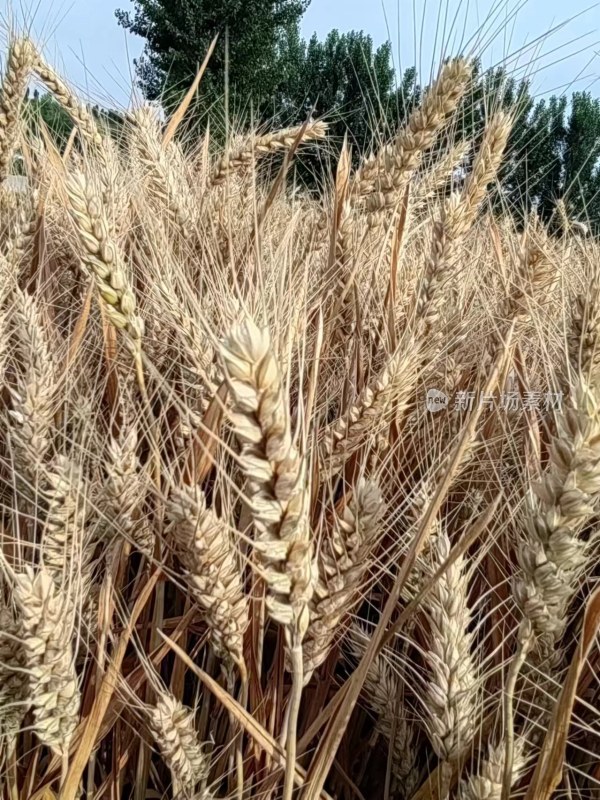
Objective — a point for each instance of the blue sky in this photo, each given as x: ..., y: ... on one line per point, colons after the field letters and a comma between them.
x: 83, y: 39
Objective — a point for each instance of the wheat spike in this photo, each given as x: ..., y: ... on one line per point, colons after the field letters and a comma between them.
x: 12, y: 93
x: 452, y: 690
x: 343, y: 563
x: 172, y: 726
x: 101, y: 256
x: 32, y: 397
x: 552, y: 554
x: 244, y: 157
x: 487, y: 783
x: 63, y: 536
x: 46, y: 636
x: 164, y: 183
x: 383, y: 176
x: 69, y: 101
x: 203, y: 545
x: 371, y: 411
x: 14, y: 685
x: 275, y: 475
x: 584, y: 338
x: 382, y: 692
x: 458, y: 214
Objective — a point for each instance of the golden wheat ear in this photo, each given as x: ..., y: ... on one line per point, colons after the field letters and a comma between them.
x: 46, y: 630
x: 14, y: 85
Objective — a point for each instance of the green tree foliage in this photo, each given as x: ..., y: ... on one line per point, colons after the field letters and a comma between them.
x: 57, y: 121
x: 46, y: 109
x: 581, y: 154
x: 345, y: 80
x: 178, y: 35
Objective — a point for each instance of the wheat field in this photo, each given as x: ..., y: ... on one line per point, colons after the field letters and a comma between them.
x: 299, y: 495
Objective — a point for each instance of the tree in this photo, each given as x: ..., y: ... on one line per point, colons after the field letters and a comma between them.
x: 48, y: 109
x: 178, y: 35
x: 344, y: 79
x: 581, y: 154
x: 58, y: 122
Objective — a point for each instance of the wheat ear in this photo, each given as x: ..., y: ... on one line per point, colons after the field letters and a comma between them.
x: 14, y: 687
x: 458, y: 214
x: 172, y: 726
x: 101, y: 256
x: 552, y: 554
x: 14, y: 86
x: 69, y: 101
x: 124, y: 489
x: 244, y: 157
x: 46, y: 633
x: 440, y: 173
x: 204, y: 548
x: 383, y: 176
x: 277, y: 494
x: 32, y: 397
x: 452, y: 694
x: 584, y: 338
x: 164, y: 184
x: 487, y: 783
x: 343, y: 564
x: 382, y: 693
x: 63, y: 536
x: 368, y: 415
